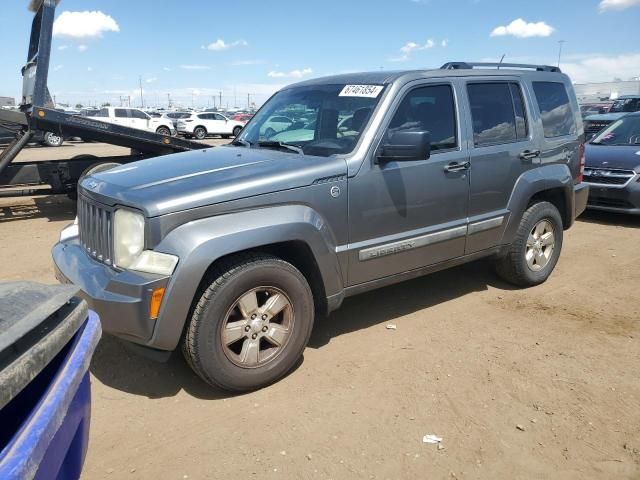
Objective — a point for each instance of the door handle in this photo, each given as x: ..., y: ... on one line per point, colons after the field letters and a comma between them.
x: 457, y: 166
x: 529, y: 154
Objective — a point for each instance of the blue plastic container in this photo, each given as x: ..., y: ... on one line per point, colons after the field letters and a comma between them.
x: 44, y: 430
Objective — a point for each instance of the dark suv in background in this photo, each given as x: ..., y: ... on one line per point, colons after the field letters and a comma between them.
x: 228, y: 253
x: 620, y: 107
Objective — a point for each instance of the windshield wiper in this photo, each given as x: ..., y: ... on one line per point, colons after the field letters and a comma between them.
x: 241, y: 141
x: 275, y: 144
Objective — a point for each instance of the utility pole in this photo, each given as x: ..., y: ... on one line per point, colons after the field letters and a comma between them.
x: 560, y: 44
x: 220, y: 104
x: 248, y: 101
x: 168, y: 100
x: 141, y: 97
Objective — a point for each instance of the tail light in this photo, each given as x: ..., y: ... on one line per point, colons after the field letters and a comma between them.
x: 583, y: 162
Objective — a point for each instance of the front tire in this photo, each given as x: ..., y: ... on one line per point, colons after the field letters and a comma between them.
x: 236, y: 131
x: 536, y: 248
x: 250, y: 323
x: 163, y: 131
x: 52, y: 140
x: 200, y: 133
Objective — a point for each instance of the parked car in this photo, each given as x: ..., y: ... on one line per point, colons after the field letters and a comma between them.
x: 89, y: 112
x: 135, y: 118
x: 47, y: 139
x: 275, y: 124
x: 228, y: 253
x: 175, y: 116
x: 201, y: 125
x: 620, y: 107
x: 589, y: 109
x: 613, y: 167
x: 242, y: 117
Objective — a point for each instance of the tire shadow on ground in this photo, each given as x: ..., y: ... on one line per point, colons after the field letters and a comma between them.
x: 610, y: 218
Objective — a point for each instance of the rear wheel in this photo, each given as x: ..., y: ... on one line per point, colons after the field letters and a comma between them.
x: 250, y: 324
x: 163, y: 131
x: 52, y: 140
x: 536, y: 248
x: 236, y: 131
x: 200, y: 133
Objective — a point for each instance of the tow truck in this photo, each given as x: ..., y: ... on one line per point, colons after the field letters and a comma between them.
x: 37, y: 113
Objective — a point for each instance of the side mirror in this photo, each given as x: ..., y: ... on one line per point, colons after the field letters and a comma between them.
x: 406, y: 146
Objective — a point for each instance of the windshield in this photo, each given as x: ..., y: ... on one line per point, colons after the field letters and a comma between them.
x: 322, y: 120
x: 625, y: 105
x: 625, y: 131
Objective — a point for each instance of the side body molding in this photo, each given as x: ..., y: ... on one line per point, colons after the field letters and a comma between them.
x: 534, y: 181
x: 199, y: 243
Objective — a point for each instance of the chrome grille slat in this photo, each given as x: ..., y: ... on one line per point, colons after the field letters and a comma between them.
x: 94, y: 224
x: 608, y: 176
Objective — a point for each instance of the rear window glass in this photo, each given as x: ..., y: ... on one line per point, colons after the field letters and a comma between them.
x: 497, y: 112
x: 555, y: 109
x: 121, y: 113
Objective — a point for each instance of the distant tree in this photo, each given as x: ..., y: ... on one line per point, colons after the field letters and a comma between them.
x: 79, y: 106
x: 106, y: 104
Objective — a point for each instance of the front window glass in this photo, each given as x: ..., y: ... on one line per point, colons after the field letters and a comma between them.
x: 121, y: 113
x: 322, y: 120
x: 625, y: 131
x: 431, y: 109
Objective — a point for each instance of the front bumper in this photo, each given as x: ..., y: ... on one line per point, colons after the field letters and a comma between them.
x: 616, y: 199
x: 121, y: 298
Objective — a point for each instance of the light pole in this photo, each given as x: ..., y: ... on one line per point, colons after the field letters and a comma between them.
x: 141, y: 97
x: 560, y: 44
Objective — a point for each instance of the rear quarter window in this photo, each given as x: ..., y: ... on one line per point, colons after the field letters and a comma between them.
x: 557, y: 116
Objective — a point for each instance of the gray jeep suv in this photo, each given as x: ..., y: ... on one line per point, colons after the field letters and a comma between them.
x: 230, y: 253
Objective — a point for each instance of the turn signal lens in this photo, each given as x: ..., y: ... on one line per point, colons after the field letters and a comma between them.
x: 156, y: 301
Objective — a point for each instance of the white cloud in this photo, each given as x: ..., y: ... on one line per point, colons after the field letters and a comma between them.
x: 151, y: 79
x: 291, y: 74
x: 522, y: 29
x: 195, y: 67
x: 89, y: 69
x: 84, y: 24
x: 58, y: 67
x: 444, y: 43
x: 166, y: 69
x: 220, y: 45
x: 82, y: 48
x: 617, y: 4
x: 63, y: 47
x: 602, y: 68
x: 410, y: 47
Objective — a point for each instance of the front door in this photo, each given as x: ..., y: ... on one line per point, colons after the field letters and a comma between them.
x: 406, y: 215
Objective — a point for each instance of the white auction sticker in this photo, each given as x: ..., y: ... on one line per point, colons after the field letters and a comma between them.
x: 369, y: 91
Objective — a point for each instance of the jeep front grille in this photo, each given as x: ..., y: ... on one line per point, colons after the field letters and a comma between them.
x: 96, y: 230
x: 608, y: 176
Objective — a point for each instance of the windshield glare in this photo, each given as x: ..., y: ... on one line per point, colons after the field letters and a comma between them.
x: 625, y: 131
x: 322, y: 120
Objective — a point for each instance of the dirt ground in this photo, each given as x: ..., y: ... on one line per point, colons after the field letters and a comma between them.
x: 538, y: 383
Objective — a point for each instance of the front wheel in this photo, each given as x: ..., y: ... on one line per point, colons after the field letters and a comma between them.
x: 163, y: 131
x: 536, y: 248
x: 236, y: 131
x: 52, y: 140
x: 250, y: 323
x: 200, y: 133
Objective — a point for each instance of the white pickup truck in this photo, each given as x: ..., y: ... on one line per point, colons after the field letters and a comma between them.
x: 135, y: 118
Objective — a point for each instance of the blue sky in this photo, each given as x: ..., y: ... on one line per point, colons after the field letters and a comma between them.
x: 257, y: 46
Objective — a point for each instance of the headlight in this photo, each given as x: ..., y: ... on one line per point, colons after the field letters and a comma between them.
x: 128, y: 237
x: 129, y: 253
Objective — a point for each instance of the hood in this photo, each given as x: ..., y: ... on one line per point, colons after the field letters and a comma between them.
x: 613, y: 156
x: 182, y: 181
x: 605, y: 117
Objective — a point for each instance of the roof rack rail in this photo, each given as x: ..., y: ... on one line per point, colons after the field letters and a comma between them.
x: 469, y: 66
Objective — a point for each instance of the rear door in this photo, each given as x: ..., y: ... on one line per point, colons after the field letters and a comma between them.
x: 221, y: 124
x: 501, y: 149
x: 121, y: 117
x: 139, y: 119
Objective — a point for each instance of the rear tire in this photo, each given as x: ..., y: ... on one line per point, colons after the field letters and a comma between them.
x: 50, y: 139
x: 200, y: 133
x: 236, y: 131
x: 250, y: 323
x: 533, y: 255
